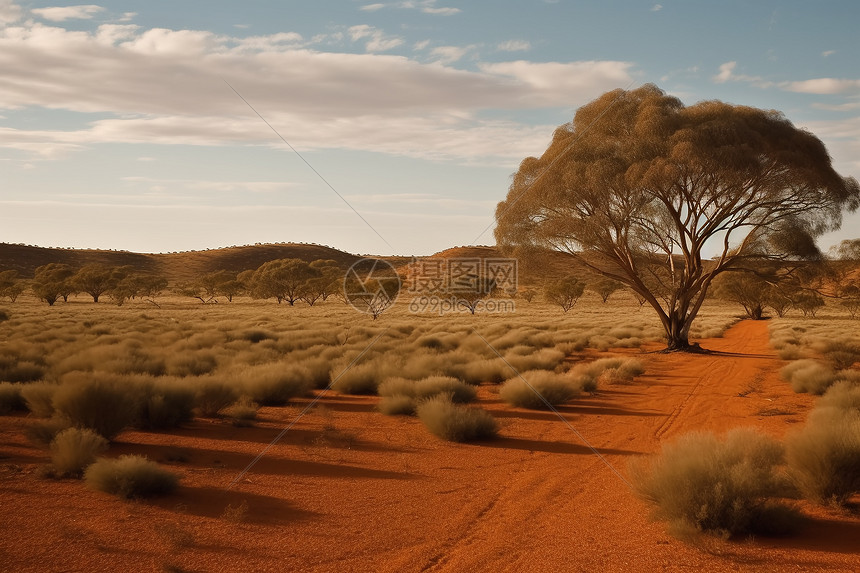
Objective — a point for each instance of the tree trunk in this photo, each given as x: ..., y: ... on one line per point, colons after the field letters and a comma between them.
x: 678, y: 334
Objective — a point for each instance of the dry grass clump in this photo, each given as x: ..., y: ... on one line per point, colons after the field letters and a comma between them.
x: 243, y: 412
x: 397, y: 405
x: 841, y: 354
x: 10, y: 398
x: 492, y: 370
x: 401, y: 396
x: 824, y: 456
x: 808, y: 375
x: 455, y: 422
x: 276, y: 383
x: 130, y: 477
x: 73, y: 449
x: 164, y: 404
x: 526, y: 358
x: 843, y: 395
x: 211, y: 395
x: 97, y: 403
x: 191, y: 364
x: 699, y: 483
x: 539, y: 389
x: 458, y: 391
x: 361, y: 378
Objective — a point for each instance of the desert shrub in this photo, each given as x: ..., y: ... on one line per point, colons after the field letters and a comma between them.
x: 824, y: 456
x: 808, y: 375
x: 318, y: 371
x: 396, y: 386
x: 454, y: 422
x: 615, y: 370
x: 397, y: 405
x: 842, y: 395
x: 527, y: 390
x: 275, y: 384
x: 165, y: 405
x: 458, y: 391
x: 10, y: 398
x: 96, y: 403
x: 436, y: 342
x: 703, y: 484
x: 358, y: 379
x: 492, y: 370
x: 130, y: 477
x: 43, y: 432
x: 543, y: 359
x: 243, y: 412
x: 212, y: 395
x: 39, y: 398
x: 13, y: 369
x: 841, y: 354
x: 191, y: 364
x: 73, y: 449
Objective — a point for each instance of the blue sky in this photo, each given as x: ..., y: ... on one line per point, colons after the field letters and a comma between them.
x: 118, y: 129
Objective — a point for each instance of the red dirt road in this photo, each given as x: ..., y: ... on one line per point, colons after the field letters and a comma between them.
x: 348, y: 489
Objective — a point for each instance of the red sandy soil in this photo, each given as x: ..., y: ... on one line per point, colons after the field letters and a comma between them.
x: 348, y: 489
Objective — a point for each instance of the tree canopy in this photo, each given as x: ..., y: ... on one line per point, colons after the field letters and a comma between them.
x: 664, y: 197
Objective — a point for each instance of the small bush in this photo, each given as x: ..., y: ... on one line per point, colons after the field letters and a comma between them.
x: 165, y: 405
x: 39, y: 398
x: 358, y: 379
x: 808, y: 375
x: 824, y: 457
x: 98, y: 404
x: 554, y: 388
x: 397, y: 405
x: 10, y: 398
x: 72, y: 450
x: 130, y: 477
x: 275, y: 384
x: 843, y: 395
x: 699, y: 483
x: 454, y: 422
x: 841, y: 354
x: 459, y: 392
x: 243, y: 412
x: 212, y: 395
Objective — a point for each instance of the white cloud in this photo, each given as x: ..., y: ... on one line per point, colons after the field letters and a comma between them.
x: 827, y: 53
x: 656, y: 7
x: 9, y: 12
x: 449, y: 54
x: 422, y: 45
x: 428, y: 7
x: 62, y: 13
x: 372, y: 7
x: 823, y: 86
x: 167, y: 87
x: 376, y: 39
x: 726, y: 71
x: 514, y: 46
x: 551, y: 83
x: 127, y: 16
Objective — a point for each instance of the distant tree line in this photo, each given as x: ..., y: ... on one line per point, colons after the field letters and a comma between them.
x: 285, y: 280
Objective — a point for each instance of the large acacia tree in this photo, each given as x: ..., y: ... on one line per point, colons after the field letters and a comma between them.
x: 664, y: 197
